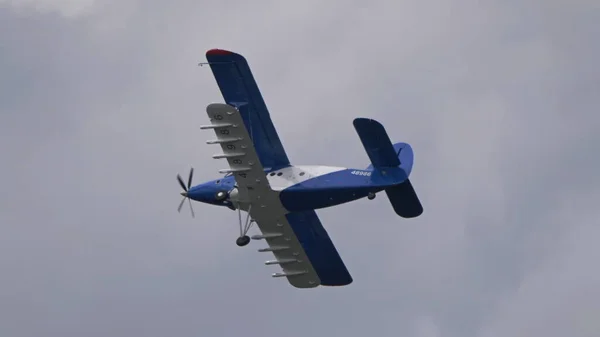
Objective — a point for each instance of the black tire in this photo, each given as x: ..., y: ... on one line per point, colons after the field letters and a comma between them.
x: 242, y: 241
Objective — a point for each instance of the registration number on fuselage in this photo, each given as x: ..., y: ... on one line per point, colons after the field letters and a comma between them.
x: 361, y: 173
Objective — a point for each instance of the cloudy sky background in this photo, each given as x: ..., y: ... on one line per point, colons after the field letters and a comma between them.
x: 100, y: 103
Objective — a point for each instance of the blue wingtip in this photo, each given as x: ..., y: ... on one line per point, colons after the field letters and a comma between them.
x: 319, y: 248
x: 361, y: 122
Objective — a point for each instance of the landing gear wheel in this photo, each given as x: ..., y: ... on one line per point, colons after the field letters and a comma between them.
x: 242, y: 240
x: 371, y: 196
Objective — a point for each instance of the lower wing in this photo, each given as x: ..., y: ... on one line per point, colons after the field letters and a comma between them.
x: 298, y: 240
x: 319, y: 248
x: 302, y: 248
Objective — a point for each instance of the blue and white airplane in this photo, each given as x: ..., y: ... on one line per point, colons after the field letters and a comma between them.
x: 281, y: 198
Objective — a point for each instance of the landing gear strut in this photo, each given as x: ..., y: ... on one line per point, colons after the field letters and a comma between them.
x: 244, y: 239
x: 371, y: 196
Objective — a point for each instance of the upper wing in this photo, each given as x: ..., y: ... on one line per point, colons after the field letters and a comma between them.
x: 237, y: 148
x: 298, y: 240
x: 239, y: 89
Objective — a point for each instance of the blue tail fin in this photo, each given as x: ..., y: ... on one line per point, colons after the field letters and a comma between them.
x: 383, y: 154
x: 404, y: 200
x: 406, y: 156
x: 377, y: 143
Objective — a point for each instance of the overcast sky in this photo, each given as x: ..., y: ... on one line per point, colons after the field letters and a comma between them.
x: 100, y: 104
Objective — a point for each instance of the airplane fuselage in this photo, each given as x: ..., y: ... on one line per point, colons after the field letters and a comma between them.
x: 280, y: 198
x: 309, y: 187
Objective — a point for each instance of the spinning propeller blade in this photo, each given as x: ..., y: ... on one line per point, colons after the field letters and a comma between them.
x: 190, y: 178
x: 181, y: 205
x: 181, y: 183
x: 185, y: 191
x: 191, y: 208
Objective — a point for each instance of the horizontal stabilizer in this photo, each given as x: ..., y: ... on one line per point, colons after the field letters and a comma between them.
x: 377, y: 143
x: 404, y: 199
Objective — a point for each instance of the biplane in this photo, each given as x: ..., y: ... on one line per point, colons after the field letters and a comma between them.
x: 281, y: 198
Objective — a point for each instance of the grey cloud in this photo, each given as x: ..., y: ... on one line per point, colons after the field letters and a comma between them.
x: 101, y: 111
x: 65, y: 8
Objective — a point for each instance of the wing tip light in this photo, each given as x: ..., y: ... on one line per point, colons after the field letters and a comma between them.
x: 216, y: 52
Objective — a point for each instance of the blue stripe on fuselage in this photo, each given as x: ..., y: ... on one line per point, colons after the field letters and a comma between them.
x: 338, y: 188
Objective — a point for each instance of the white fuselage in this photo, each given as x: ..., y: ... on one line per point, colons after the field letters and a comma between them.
x: 292, y: 175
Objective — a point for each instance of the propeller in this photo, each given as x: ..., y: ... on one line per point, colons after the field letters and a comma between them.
x: 185, y: 191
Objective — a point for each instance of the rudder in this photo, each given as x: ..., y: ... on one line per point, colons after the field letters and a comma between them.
x: 405, y: 155
x: 403, y: 197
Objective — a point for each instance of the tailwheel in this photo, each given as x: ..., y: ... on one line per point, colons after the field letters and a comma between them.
x: 244, y: 239
x: 371, y: 196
